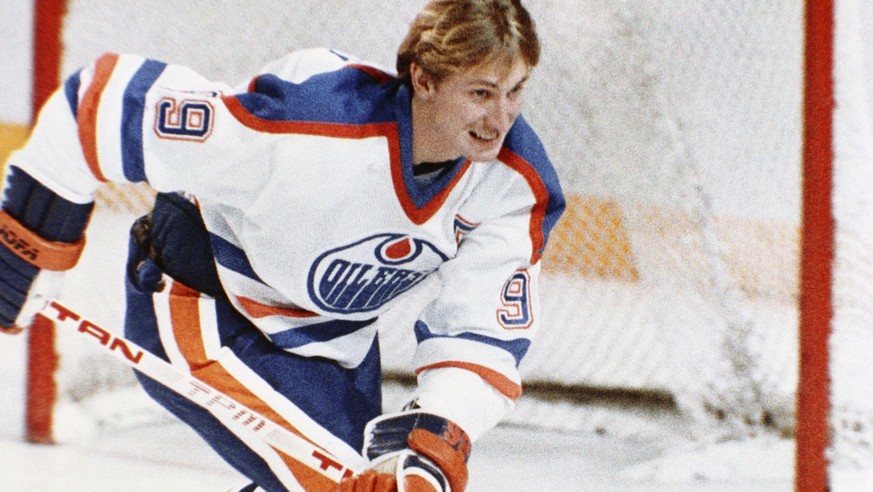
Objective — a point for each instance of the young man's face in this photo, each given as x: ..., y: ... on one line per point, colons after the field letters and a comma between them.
x: 470, y: 112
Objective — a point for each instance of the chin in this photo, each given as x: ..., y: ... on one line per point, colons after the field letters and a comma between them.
x: 480, y: 154
x: 484, y: 155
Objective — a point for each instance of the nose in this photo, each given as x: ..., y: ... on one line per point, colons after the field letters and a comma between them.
x: 502, y: 113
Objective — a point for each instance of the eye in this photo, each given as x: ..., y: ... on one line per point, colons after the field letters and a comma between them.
x: 480, y: 94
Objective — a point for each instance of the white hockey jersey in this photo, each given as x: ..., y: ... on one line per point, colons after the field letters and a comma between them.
x: 305, y: 182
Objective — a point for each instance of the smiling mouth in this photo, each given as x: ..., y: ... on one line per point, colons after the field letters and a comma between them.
x: 483, y: 137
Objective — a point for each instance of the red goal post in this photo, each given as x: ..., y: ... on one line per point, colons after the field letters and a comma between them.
x: 817, y: 251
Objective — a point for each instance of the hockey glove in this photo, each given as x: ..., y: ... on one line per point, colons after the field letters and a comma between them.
x: 40, y: 237
x: 413, y: 452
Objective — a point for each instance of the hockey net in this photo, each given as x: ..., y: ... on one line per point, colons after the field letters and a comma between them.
x: 671, y: 283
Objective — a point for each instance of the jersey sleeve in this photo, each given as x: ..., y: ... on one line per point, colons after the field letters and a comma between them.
x: 125, y: 118
x: 106, y: 121
x: 487, y: 313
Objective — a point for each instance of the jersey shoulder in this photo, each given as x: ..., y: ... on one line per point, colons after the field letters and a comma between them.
x: 323, y: 86
x: 524, y: 151
x: 300, y: 65
x: 525, y: 154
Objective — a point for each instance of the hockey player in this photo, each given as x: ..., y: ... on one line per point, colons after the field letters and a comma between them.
x: 292, y: 213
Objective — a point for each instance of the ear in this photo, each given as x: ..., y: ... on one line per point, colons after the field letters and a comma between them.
x: 422, y: 82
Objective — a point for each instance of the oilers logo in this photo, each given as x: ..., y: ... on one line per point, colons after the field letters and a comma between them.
x: 365, y: 275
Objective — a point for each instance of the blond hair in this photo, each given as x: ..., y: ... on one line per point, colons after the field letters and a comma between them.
x: 448, y: 35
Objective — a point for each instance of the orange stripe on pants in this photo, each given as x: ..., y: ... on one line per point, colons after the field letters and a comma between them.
x: 185, y: 317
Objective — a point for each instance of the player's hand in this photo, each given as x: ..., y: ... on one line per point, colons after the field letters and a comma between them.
x: 413, y: 452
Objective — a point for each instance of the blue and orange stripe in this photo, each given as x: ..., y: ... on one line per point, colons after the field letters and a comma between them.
x: 88, y: 111
x: 187, y: 330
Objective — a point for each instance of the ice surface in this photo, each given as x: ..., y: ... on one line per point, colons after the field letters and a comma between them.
x: 170, y: 457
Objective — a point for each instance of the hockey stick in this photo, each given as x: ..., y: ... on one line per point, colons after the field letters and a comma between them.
x: 230, y: 412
